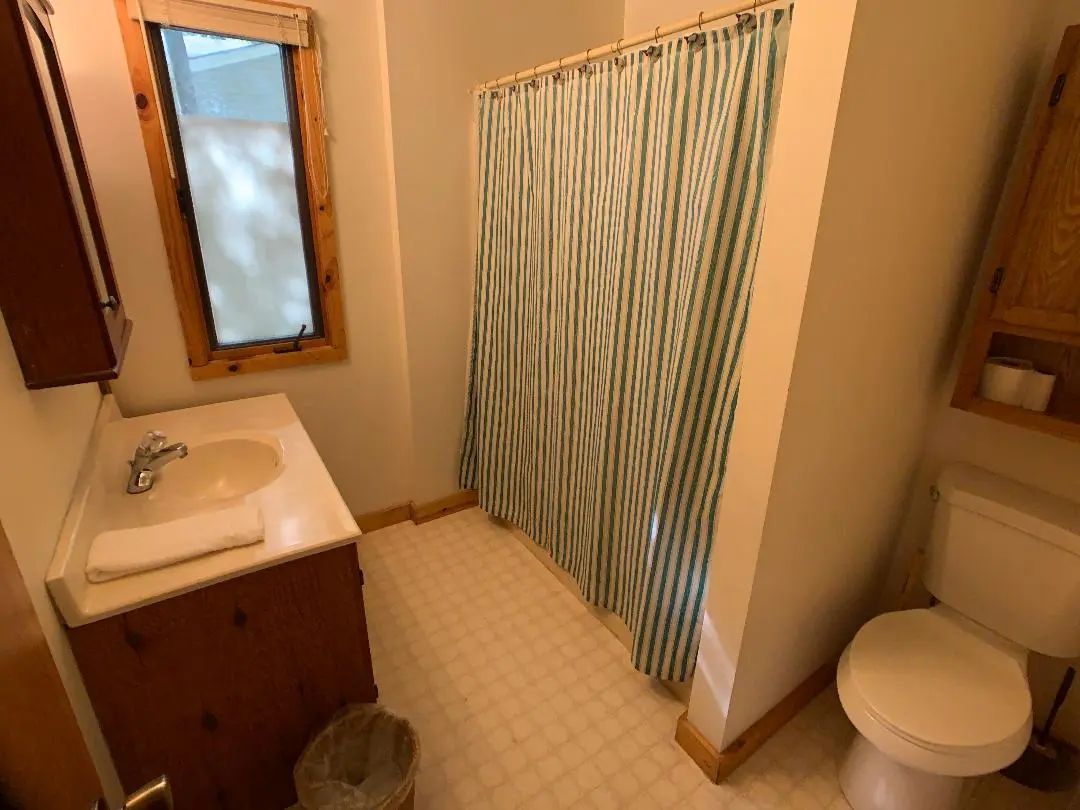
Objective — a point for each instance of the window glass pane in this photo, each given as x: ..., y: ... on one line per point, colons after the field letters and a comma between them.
x: 231, y: 105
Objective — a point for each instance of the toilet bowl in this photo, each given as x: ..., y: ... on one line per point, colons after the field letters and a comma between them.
x: 935, y: 700
x: 941, y: 695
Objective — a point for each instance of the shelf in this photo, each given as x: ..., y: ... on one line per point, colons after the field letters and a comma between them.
x: 1032, y: 420
x: 1065, y: 338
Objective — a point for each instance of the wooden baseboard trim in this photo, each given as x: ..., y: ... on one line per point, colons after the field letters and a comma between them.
x: 416, y: 512
x: 423, y: 512
x: 719, y: 765
x: 373, y: 521
x: 698, y: 748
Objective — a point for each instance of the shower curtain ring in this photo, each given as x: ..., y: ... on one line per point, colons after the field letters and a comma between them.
x: 584, y: 69
x: 656, y: 35
x: 700, y: 15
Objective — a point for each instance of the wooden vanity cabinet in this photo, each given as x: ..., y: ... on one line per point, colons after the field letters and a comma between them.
x: 222, y: 687
x: 1029, y: 306
x: 58, y: 295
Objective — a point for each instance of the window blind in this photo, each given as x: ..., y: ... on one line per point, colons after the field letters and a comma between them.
x: 251, y: 19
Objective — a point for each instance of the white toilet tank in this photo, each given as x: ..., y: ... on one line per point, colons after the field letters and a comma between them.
x: 1008, y: 556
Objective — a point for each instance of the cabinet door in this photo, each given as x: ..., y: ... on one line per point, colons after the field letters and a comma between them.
x: 1039, y: 278
x: 222, y: 687
x: 58, y: 295
x: 44, y: 762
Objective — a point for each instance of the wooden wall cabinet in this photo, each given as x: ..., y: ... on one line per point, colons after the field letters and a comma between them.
x: 1029, y: 307
x: 58, y: 295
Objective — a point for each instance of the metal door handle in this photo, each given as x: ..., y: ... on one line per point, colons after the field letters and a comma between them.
x: 156, y: 795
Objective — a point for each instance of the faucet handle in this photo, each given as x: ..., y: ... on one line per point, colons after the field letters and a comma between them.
x: 153, y: 442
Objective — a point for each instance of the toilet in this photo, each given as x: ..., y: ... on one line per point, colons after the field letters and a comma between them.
x: 941, y: 695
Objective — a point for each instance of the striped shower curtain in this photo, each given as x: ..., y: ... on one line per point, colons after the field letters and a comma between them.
x: 619, y: 213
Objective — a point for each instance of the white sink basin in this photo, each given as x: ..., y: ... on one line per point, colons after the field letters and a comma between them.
x: 219, y: 470
x: 253, y: 452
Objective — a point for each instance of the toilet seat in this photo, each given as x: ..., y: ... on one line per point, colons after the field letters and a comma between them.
x: 934, y: 695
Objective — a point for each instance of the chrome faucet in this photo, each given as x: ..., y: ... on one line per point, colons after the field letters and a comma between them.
x: 150, y: 456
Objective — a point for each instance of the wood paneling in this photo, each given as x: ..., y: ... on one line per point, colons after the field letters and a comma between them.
x: 1040, y: 254
x: 44, y: 764
x: 222, y: 687
x: 719, y: 765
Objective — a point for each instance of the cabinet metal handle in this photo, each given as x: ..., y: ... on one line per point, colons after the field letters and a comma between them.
x: 110, y: 303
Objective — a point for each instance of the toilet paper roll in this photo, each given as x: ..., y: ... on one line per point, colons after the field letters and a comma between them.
x: 1004, y: 379
x: 1037, y: 393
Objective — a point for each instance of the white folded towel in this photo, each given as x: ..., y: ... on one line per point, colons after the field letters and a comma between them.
x: 121, y: 552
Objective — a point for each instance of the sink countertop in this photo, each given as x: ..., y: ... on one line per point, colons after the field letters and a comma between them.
x: 302, y: 510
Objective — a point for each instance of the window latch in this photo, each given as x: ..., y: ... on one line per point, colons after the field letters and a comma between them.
x: 295, y: 347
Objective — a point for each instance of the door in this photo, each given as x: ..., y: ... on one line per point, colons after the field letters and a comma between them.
x: 1039, y: 279
x: 44, y: 764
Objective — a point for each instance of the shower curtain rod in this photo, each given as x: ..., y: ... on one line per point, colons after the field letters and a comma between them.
x: 615, y: 48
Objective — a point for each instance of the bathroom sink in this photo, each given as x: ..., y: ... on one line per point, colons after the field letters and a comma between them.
x: 248, y: 452
x: 219, y: 470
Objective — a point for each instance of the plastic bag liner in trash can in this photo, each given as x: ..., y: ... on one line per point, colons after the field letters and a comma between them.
x: 365, y: 759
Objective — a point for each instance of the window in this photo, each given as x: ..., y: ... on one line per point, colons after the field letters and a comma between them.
x: 230, y: 109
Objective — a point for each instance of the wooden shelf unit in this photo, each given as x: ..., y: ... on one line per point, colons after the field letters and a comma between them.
x: 1032, y: 420
x: 1029, y: 305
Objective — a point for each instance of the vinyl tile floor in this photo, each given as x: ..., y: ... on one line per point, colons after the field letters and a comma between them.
x: 522, y: 699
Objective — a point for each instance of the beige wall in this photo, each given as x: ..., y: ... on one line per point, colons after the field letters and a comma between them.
x: 813, y: 76
x: 357, y: 412
x: 927, y: 123
x: 644, y: 15
x: 1036, y: 459
x: 44, y: 435
x: 435, y: 50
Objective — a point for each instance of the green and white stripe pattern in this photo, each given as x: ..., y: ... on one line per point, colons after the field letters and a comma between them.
x: 619, y: 216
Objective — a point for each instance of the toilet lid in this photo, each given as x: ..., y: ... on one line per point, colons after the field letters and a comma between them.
x: 936, y: 683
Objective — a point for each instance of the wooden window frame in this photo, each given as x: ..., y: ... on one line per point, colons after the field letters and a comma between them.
x: 204, y: 361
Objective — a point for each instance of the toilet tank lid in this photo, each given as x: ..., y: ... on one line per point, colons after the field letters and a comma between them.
x: 1033, y: 511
